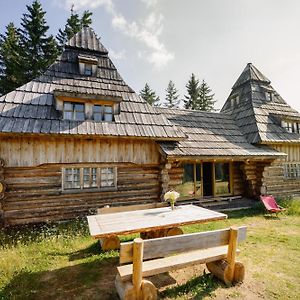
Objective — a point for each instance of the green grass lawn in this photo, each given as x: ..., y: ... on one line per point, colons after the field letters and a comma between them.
x: 61, y: 261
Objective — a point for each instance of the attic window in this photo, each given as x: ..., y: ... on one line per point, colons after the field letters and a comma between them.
x: 292, y: 127
x: 74, y: 111
x: 87, y: 64
x: 103, y: 113
x: 268, y: 96
x: 235, y: 100
x: 88, y: 70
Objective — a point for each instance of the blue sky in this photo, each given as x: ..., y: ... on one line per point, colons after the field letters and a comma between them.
x: 157, y: 40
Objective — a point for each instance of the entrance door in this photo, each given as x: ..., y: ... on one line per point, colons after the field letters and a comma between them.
x: 207, y: 178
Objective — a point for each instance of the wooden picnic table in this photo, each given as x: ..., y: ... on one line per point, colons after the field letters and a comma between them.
x: 163, y: 221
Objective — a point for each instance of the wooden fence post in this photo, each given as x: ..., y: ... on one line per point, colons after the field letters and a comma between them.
x: 231, y: 254
x: 137, y: 275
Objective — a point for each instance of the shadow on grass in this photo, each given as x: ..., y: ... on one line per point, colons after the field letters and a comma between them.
x: 92, y: 250
x: 91, y: 280
x: 256, y: 210
x: 195, y: 288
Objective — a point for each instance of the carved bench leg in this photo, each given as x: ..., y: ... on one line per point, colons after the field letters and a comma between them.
x: 149, y: 291
x: 110, y: 243
x: 126, y: 290
x: 221, y: 270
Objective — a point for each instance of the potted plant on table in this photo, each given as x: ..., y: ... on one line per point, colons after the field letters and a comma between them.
x: 171, y: 196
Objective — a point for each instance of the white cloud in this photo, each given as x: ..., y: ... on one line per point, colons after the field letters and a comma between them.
x: 90, y: 4
x: 150, y: 3
x: 146, y: 31
x: 117, y: 55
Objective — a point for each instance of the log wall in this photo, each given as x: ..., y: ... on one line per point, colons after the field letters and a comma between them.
x: 274, y: 181
x: 35, y: 194
x: 239, y: 184
x: 33, y: 176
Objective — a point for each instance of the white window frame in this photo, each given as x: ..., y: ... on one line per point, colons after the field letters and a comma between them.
x: 291, y: 170
x: 99, y: 182
x: 290, y: 126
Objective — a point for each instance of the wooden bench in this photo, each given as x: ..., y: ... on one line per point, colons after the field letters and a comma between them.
x: 113, y: 242
x: 143, y: 258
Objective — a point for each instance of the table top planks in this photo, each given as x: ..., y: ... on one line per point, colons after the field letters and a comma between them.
x: 128, y: 222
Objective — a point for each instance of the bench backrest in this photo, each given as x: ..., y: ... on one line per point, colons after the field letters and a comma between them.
x: 165, y: 246
x: 116, y: 209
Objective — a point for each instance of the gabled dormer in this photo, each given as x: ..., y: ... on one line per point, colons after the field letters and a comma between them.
x: 85, y: 54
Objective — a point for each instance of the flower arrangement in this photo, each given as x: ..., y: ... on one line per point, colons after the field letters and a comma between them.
x: 171, y: 196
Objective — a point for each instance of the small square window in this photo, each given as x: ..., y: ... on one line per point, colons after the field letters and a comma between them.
x: 103, y: 113
x: 74, y: 111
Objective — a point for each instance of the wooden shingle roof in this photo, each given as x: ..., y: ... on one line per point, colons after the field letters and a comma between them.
x: 251, y: 73
x: 210, y: 135
x: 88, y: 40
x: 259, y: 117
x: 31, y: 107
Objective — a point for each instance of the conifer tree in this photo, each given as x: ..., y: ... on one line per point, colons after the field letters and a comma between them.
x: 11, y: 75
x: 39, y: 49
x: 206, y: 98
x: 149, y: 95
x: 192, y: 100
x: 74, y: 24
x: 172, y: 96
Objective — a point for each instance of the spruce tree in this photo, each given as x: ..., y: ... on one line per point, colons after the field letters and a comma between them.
x: 149, y: 95
x: 11, y: 74
x: 39, y: 49
x: 172, y: 96
x: 74, y: 24
x: 206, y: 98
x: 192, y: 100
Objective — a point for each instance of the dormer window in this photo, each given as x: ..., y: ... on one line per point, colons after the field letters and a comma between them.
x: 87, y: 64
x: 74, y: 111
x: 234, y: 101
x: 268, y: 96
x: 88, y: 70
x: 103, y: 113
x: 292, y: 127
x: 87, y: 107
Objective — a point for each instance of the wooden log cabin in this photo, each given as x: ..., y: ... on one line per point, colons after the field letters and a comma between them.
x: 78, y: 138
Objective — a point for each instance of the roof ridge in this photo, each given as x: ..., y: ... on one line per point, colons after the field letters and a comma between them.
x: 250, y: 73
x: 86, y: 39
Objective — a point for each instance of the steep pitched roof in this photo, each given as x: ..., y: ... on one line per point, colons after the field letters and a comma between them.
x: 88, y: 40
x: 259, y: 117
x: 210, y: 135
x: 251, y: 73
x: 31, y: 107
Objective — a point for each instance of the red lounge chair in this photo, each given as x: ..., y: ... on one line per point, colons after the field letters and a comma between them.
x: 271, y: 205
